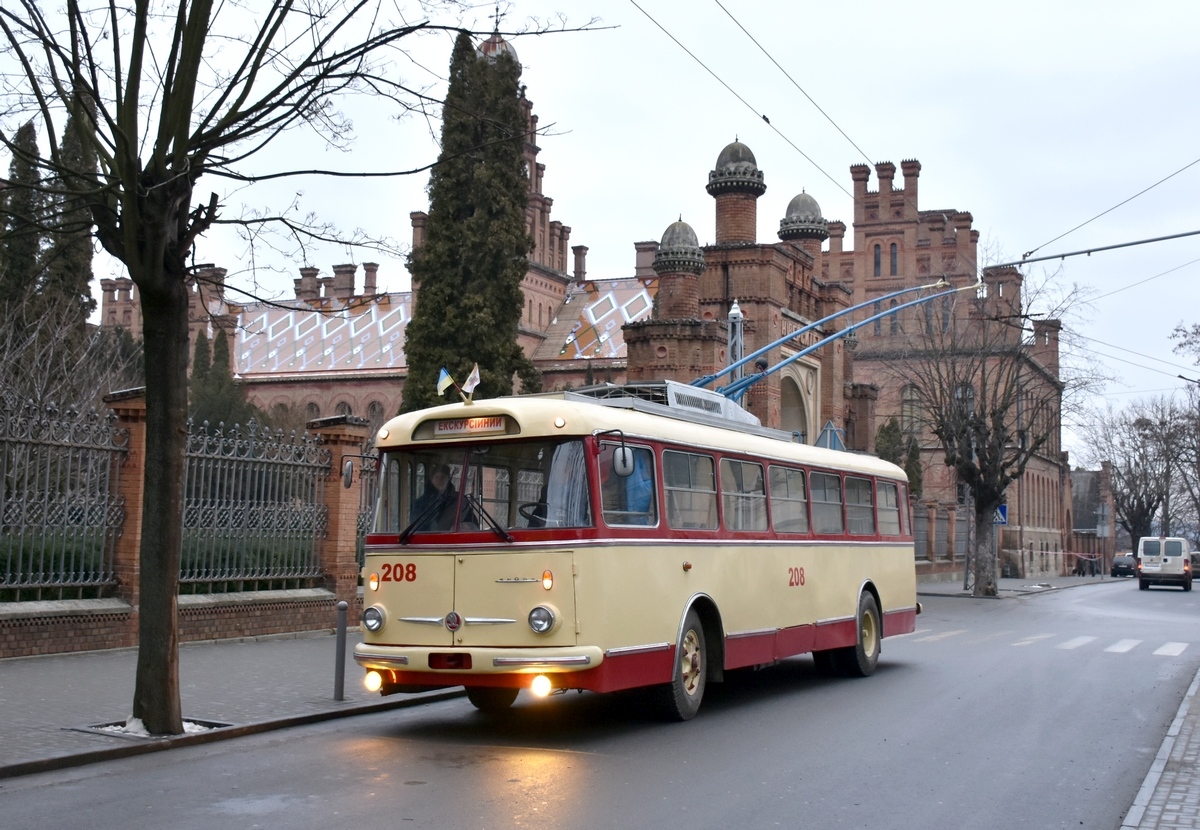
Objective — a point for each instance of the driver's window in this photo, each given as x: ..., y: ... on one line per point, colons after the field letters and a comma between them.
x: 628, y: 500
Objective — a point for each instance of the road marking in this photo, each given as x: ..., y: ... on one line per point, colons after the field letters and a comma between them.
x: 1036, y: 638
x: 1171, y: 650
x: 932, y: 637
x: 1076, y: 643
x: 1122, y: 646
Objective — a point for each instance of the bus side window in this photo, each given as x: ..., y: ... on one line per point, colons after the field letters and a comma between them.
x: 889, y: 508
x: 826, y: 502
x: 789, y: 501
x: 691, y: 488
x: 628, y: 500
x: 743, y: 496
x: 860, y: 516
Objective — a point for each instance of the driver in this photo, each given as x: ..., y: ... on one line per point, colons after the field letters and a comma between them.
x: 439, y: 490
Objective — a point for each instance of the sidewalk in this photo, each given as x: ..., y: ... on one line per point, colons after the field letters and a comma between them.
x: 47, y: 704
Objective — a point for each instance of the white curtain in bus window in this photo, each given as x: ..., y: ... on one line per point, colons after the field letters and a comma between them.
x: 691, y: 490
x: 628, y: 500
x: 789, y: 503
x: 826, y: 496
x: 859, y: 514
x: 567, y: 501
x: 743, y: 495
x: 889, y: 508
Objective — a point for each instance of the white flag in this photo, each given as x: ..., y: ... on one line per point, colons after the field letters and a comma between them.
x: 472, y: 380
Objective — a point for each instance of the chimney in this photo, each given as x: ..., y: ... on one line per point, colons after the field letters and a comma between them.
x: 370, y: 269
x: 307, y: 287
x: 580, y: 252
x: 886, y: 171
x: 343, y: 281
x: 644, y: 261
x: 418, y: 225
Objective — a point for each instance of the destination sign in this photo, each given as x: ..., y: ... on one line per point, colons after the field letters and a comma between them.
x: 465, y: 426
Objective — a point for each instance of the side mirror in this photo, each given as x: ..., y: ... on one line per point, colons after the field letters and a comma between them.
x: 623, y: 461
x: 347, y: 473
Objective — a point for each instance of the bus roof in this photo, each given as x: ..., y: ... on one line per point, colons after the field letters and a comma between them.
x: 561, y: 414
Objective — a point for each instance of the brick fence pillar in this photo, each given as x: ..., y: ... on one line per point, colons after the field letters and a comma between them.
x: 931, y: 531
x: 343, y: 435
x: 130, y: 408
x: 951, y: 531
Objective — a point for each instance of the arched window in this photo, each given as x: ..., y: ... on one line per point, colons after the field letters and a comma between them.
x: 910, y: 410
x: 878, y: 260
x: 343, y: 408
x: 894, y: 320
x: 894, y: 260
x: 876, y: 309
x: 375, y: 415
x: 312, y: 412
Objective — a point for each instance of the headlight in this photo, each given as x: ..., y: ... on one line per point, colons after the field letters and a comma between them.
x: 541, y: 619
x: 372, y: 618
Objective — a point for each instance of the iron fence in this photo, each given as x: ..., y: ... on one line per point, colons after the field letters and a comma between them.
x: 368, y: 491
x: 60, y: 508
x: 254, y: 510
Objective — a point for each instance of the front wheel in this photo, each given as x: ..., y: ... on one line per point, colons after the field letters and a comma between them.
x: 860, y: 659
x: 681, y: 697
x: 491, y: 699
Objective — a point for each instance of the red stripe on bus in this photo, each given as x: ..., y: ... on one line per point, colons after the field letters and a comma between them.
x: 900, y: 622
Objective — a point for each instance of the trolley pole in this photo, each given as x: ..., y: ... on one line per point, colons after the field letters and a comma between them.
x: 339, y: 668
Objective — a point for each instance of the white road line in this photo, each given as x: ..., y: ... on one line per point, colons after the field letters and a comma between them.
x: 933, y: 637
x: 1076, y: 643
x: 1036, y: 638
x: 1122, y: 646
x: 1171, y: 650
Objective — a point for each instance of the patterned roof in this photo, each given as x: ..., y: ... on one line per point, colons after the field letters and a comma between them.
x: 369, y: 336
x: 589, y: 321
x: 362, y: 336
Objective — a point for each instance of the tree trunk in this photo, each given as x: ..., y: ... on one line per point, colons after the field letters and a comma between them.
x: 985, y: 551
x: 165, y: 329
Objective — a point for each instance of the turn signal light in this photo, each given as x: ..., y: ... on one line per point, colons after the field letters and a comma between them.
x: 373, y: 581
x: 547, y: 580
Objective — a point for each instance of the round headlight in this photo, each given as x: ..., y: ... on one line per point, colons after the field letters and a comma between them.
x: 372, y: 618
x: 541, y: 619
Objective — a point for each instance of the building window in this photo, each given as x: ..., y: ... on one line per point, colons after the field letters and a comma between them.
x: 910, y: 410
x: 878, y: 260
x: 312, y: 412
x: 894, y: 320
x: 343, y: 408
x: 876, y: 310
x: 894, y: 260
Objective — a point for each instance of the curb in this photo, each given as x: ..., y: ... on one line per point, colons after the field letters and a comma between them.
x: 1133, y: 818
x: 143, y: 746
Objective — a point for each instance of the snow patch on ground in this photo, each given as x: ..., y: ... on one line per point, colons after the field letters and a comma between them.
x: 135, y: 728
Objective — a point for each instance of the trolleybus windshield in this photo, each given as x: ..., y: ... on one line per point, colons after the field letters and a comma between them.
x: 498, y: 485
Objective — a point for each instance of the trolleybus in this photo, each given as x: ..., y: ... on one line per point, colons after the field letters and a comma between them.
x: 610, y: 538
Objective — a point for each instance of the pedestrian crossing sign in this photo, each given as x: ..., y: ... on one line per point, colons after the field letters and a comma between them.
x: 1000, y: 517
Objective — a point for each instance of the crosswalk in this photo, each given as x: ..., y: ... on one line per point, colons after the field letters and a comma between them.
x: 1080, y: 642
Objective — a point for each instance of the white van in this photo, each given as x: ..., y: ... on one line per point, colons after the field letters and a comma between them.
x: 1164, y: 561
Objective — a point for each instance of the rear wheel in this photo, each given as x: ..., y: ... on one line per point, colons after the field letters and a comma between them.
x: 1143, y: 585
x: 681, y: 698
x: 860, y: 659
x: 491, y: 699
x: 1187, y: 586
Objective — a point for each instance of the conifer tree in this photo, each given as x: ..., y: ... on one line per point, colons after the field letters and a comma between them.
x: 215, y: 397
x: 22, y: 219
x: 467, y: 276
x: 68, y: 271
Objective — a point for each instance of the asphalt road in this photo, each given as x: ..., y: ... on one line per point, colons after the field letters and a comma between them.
x: 1044, y: 711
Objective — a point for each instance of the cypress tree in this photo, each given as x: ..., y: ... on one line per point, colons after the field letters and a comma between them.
x: 22, y: 219
x: 215, y: 397
x: 467, y: 276
x: 69, y: 260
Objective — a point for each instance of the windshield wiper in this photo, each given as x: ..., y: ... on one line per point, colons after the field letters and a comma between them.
x: 477, y: 502
x: 425, y: 514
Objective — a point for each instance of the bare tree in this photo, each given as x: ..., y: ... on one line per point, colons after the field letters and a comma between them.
x: 163, y: 96
x: 1140, y: 443
x: 987, y: 389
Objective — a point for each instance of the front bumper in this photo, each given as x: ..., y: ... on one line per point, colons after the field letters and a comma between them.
x: 482, y: 660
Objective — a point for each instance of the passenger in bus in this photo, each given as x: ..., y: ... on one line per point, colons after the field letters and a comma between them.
x: 439, y: 491
x: 639, y: 490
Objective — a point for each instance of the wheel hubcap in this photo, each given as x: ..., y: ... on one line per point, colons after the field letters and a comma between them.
x: 870, y: 635
x: 690, y: 662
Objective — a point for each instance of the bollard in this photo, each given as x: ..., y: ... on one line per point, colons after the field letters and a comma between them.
x: 339, y: 669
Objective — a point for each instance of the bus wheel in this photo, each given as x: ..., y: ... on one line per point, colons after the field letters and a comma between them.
x: 681, y: 697
x: 491, y: 699
x: 859, y: 660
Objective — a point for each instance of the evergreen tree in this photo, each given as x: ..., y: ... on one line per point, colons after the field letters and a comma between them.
x: 68, y: 272
x: 467, y: 276
x: 889, y: 442
x: 912, y: 466
x: 22, y: 220
x: 215, y: 397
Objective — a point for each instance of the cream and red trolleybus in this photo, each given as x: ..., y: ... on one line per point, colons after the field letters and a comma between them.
x: 620, y: 537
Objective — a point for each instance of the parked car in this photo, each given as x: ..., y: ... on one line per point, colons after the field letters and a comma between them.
x: 1124, y: 564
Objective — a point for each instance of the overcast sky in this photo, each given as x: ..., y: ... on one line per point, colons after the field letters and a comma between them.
x: 1033, y: 116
